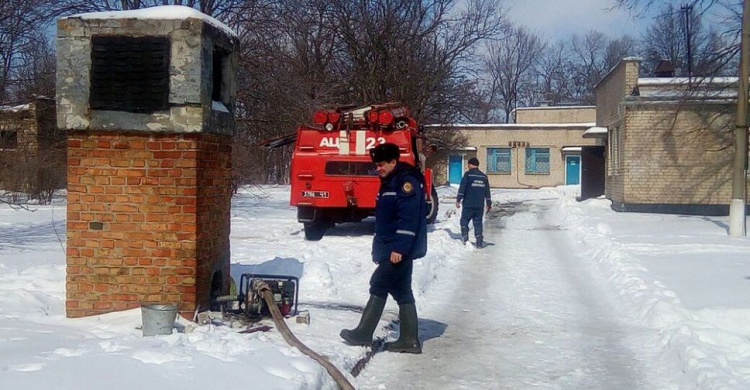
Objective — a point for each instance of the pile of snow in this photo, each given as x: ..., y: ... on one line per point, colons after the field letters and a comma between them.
x: 163, y: 12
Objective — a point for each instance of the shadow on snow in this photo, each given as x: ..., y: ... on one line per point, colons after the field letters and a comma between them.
x: 14, y: 236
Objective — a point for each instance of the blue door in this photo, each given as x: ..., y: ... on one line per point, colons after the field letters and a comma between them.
x: 455, y: 165
x: 572, y: 170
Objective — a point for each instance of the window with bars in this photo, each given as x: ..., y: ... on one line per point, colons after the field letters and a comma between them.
x: 129, y: 73
x: 537, y: 160
x: 613, y: 165
x: 498, y: 160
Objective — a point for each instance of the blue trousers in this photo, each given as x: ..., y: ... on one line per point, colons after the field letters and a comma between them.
x: 394, y: 279
x: 475, y: 215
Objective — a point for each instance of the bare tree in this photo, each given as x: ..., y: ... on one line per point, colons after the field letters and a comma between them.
x: 640, y: 7
x: 719, y: 56
x: 592, y: 56
x: 480, y: 105
x: 287, y: 68
x: 36, y: 71
x: 552, y: 75
x: 673, y: 32
x: 299, y: 55
x: 511, y: 68
x: 414, y: 51
x: 618, y: 48
x: 664, y: 40
x: 20, y: 22
x: 24, y: 50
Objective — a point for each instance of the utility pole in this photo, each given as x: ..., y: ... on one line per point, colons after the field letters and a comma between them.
x: 688, y: 9
x: 737, y: 208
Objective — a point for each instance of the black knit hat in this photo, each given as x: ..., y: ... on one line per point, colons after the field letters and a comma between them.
x: 474, y: 161
x: 384, y: 152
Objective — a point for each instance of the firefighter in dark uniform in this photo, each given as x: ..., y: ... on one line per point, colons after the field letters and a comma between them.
x: 474, y: 191
x: 400, y: 237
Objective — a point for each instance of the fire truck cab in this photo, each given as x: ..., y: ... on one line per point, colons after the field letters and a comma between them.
x: 332, y: 177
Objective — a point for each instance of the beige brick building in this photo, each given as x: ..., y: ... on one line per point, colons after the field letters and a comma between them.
x: 668, y: 150
x: 543, y: 148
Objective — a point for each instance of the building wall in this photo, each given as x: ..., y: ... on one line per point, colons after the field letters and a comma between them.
x: 49, y: 135
x: 552, y: 127
x: 23, y: 121
x: 149, y: 183
x: 556, y: 114
x: 38, y: 161
x: 213, y: 220
x: 620, y: 82
x: 148, y: 220
x: 610, y: 112
x: 14, y: 160
x: 665, y: 152
x: 438, y: 162
x: 554, y: 139
x: 192, y: 42
x: 614, y: 187
x: 673, y: 155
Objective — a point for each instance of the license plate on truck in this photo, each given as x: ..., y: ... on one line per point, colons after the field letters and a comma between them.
x: 315, y: 194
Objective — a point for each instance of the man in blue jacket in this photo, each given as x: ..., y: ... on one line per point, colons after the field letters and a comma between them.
x: 400, y: 237
x: 475, y: 193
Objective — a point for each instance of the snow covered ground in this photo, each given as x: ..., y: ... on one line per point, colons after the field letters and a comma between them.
x: 682, y: 276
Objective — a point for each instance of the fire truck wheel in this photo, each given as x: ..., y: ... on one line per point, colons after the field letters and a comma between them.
x: 432, y: 207
x: 314, y: 231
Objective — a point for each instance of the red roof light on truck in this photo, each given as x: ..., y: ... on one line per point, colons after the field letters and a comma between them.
x: 320, y: 118
x: 333, y: 117
x: 385, y: 118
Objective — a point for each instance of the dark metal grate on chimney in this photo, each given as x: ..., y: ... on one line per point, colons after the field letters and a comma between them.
x: 129, y: 73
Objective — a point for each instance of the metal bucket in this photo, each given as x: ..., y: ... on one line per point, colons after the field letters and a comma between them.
x: 158, y: 318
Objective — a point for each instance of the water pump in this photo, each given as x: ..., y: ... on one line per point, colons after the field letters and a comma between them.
x: 285, y: 291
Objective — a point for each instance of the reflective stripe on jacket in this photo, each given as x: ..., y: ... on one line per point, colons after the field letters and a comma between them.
x: 400, y: 215
x: 474, y: 189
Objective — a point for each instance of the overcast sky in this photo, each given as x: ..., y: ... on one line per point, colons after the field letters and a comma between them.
x: 559, y: 19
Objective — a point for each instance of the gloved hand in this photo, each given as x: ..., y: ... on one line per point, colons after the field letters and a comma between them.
x: 458, y: 205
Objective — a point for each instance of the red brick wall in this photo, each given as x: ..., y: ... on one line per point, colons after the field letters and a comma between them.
x: 148, y: 220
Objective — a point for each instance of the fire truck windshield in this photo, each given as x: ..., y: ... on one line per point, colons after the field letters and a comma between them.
x: 350, y: 168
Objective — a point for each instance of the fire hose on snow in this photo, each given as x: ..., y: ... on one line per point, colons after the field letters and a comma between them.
x: 292, y: 340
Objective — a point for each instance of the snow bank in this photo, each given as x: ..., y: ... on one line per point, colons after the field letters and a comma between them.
x: 711, y: 343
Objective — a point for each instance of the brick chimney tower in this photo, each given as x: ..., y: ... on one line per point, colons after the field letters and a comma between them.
x: 147, y: 100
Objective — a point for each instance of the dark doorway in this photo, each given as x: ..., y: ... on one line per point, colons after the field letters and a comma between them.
x: 592, y: 171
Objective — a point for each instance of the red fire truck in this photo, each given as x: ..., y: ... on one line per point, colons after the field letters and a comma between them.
x: 333, y: 179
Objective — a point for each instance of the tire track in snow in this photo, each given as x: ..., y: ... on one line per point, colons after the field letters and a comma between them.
x: 524, y: 313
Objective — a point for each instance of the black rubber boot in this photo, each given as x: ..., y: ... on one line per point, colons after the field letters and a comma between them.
x: 464, y: 234
x: 480, y: 242
x: 362, y: 334
x: 408, y: 338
